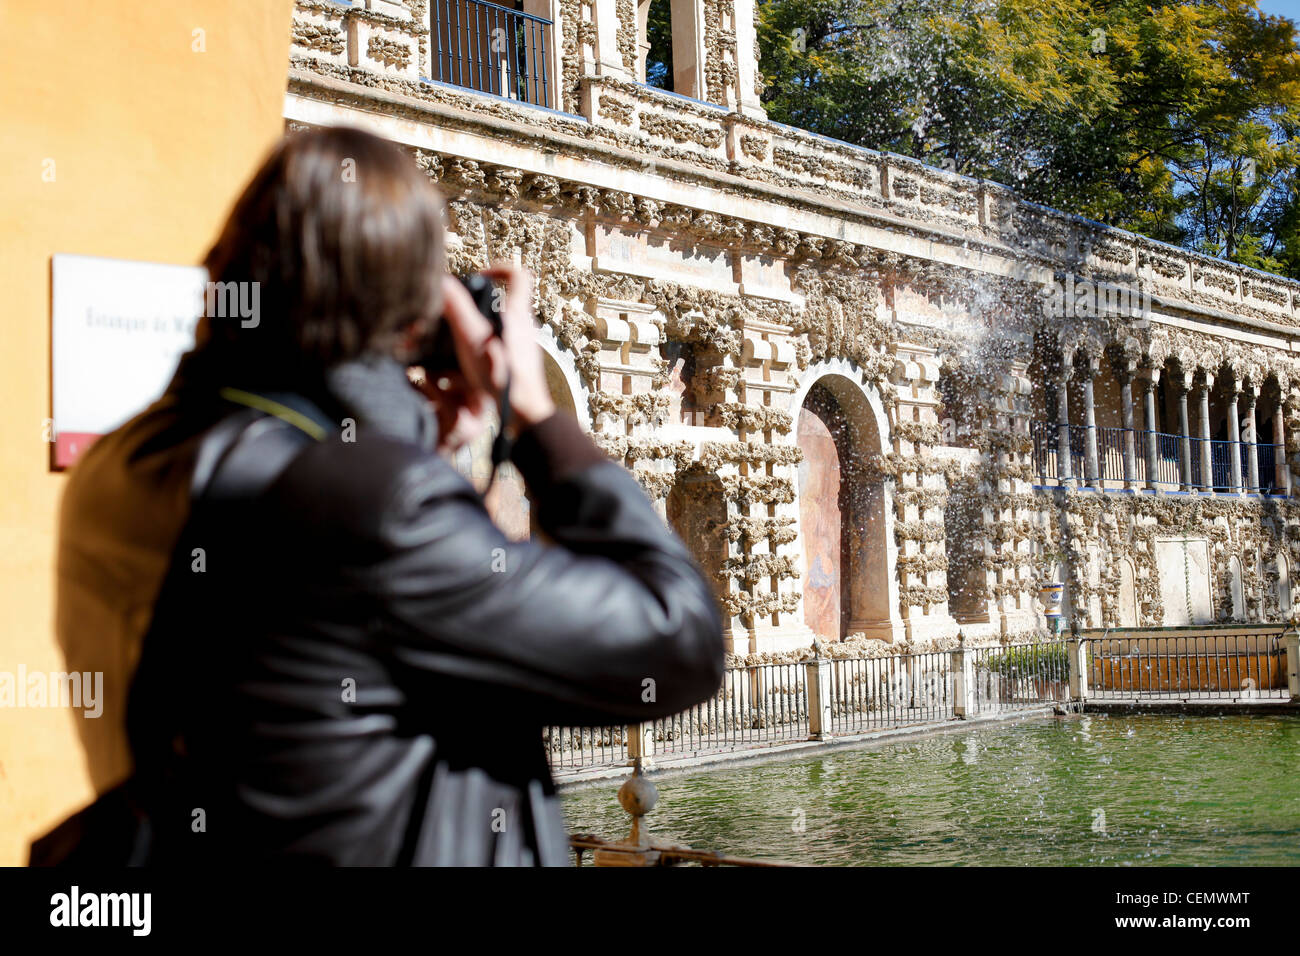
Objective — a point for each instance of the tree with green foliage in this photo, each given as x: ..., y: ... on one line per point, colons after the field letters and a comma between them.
x: 659, y: 35
x: 1176, y: 119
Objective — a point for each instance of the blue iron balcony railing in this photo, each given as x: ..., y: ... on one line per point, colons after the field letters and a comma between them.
x: 1168, y: 459
x: 491, y: 49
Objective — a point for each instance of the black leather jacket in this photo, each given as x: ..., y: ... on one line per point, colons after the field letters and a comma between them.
x: 348, y: 663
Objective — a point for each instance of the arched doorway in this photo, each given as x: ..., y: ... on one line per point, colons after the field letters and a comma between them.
x: 1271, y: 454
x: 1220, y: 431
x: 697, y: 511
x: 841, y: 514
x: 507, y: 500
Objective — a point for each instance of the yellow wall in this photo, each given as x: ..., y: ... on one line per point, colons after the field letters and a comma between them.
x: 151, y: 141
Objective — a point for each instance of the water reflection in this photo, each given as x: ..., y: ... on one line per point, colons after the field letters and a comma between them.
x: 1091, y: 791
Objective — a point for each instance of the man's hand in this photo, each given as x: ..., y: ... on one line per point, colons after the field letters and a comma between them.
x: 462, y: 400
x: 530, y: 397
x: 462, y: 413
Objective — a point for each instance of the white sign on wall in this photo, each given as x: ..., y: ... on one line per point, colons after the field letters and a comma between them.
x: 119, y: 328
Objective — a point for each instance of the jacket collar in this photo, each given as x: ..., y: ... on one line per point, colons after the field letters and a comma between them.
x: 374, y: 389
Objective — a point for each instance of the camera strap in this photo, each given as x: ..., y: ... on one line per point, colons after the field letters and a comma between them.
x: 304, y: 416
x: 501, y: 444
x: 290, y: 409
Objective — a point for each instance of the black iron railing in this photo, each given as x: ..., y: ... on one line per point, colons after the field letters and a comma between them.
x: 763, y: 705
x: 766, y: 705
x: 492, y: 49
x: 878, y: 692
x: 1020, y: 675
x: 1171, y: 454
x: 1216, y: 664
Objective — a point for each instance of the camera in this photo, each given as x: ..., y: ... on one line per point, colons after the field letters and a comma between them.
x: 440, y: 355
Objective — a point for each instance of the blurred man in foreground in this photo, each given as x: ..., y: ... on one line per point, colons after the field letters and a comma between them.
x: 337, y: 657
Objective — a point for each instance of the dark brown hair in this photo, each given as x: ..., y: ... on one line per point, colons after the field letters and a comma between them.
x: 343, y: 234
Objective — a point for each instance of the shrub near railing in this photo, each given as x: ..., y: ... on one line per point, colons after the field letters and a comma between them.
x: 1047, y: 661
x: 1033, y: 673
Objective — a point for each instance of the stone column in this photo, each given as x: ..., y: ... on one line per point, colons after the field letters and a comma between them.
x: 1063, y: 475
x: 817, y: 679
x: 1091, y: 465
x: 642, y: 38
x: 1207, y: 469
x: 1153, y: 453
x: 609, y: 61
x: 1234, y: 436
x: 1185, y: 434
x: 746, y: 91
x: 1126, y: 410
x: 1282, y: 471
x: 689, y: 53
x: 552, y: 64
x: 1252, y: 441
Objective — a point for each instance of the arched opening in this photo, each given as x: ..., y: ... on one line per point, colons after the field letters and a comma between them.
x: 1169, y: 437
x: 670, y: 46
x: 1221, y: 448
x: 656, y: 47
x: 841, y: 514
x: 697, y: 511
x: 1108, y: 415
x: 1209, y: 417
x: 507, y: 500
x: 1269, y: 434
x: 501, y: 48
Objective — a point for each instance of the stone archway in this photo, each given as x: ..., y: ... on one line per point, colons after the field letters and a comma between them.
x: 568, y: 390
x: 1270, y: 438
x: 844, y: 517
x: 697, y: 510
x: 507, y: 500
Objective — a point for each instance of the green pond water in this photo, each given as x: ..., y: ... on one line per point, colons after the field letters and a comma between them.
x: 1085, y: 790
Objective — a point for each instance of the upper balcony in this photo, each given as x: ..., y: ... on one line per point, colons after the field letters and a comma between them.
x: 493, y: 49
x: 1107, y: 458
x: 578, y: 74
x: 506, y: 49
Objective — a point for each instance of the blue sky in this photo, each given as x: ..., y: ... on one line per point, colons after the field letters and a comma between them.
x: 1286, y: 8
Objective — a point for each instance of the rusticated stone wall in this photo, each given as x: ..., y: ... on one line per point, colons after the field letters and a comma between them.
x: 722, y: 297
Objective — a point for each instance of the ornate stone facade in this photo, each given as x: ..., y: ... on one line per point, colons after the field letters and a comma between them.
x: 739, y: 311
